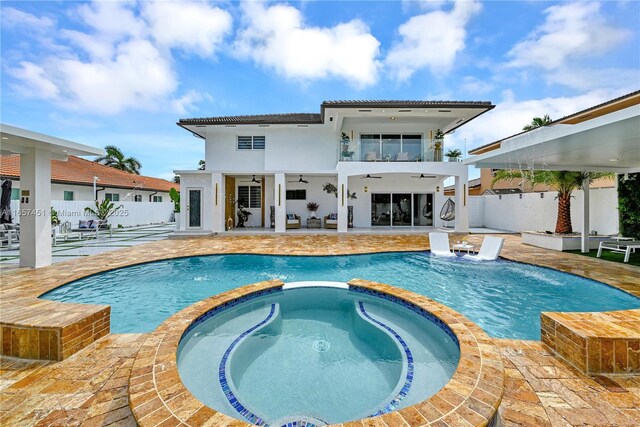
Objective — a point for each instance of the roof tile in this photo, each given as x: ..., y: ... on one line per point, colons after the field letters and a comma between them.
x: 81, y: 171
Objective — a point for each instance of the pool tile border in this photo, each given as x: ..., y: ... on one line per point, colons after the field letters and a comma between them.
x: 391, y: 406
x: 472, y: 396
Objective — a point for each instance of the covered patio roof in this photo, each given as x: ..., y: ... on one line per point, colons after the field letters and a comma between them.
x: 605, y: 138
x: 36, y: 151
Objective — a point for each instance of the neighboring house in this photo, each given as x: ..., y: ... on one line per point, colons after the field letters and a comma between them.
x: 73, y: 180
x: 391, y: 160
x: 481, y: 186
x: 474, y: 188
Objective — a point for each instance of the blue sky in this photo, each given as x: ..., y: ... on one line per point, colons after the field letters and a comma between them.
x: 123, y: 73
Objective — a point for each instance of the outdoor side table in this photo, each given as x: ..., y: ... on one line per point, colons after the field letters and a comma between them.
x: 314, y: 223
x: 461, y: 247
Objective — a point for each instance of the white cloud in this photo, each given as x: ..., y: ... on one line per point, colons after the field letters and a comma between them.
x: 194, y: 27
x: 277, y: 38
x: 570, y: 31
x: 37, y: 85
x: 431, y: 40
x: 511, y: 115
x: 186, y: 102
x: 124, y: 60
x: 14, y: 18
x: 474, y: 86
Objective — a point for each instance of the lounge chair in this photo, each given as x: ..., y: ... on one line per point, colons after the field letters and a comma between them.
x: 439, y: 243
x: 622, y: 246
x: 489, y: 251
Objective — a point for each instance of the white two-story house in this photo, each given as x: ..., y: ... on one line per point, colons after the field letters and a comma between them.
x: 389, y: 153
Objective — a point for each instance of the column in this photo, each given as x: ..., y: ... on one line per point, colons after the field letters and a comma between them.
x: 585, y: 216
x: 217, y: 187
x: 280, y: 201
x: 35, y: 223
x: 462, y: 202
x: 343, y: 203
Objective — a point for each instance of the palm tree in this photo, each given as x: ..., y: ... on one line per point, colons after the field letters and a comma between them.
x: 176, y: 179
x: 564, y: 182
x: 116, y: 159
x: 537, y: 122
x: 201, y: 165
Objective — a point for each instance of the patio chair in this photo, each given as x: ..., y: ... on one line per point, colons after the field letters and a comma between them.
x: 331, y: 221
x: 293, y: 221
x: 489, y: 251
x: 622, y: 246
x: 9, y: 236
x: 439, y: 243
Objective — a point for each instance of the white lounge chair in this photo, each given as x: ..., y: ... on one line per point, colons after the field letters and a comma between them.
x: 489, y: 251
x: 439, y: 243
x: 624, y: 246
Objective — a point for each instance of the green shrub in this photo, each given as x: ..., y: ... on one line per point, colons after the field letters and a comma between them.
x: 629, y: 204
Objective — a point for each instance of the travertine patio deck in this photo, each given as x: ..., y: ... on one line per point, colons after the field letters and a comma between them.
x: 90, y: 386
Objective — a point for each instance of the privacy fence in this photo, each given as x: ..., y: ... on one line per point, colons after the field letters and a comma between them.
x: 131, y: 214
x: 538, y: 211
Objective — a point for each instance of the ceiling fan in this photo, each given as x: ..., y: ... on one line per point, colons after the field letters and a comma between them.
x: 301, y: 181
x: 423, y: 176
x: 253, y: 180
x: 367, y: 176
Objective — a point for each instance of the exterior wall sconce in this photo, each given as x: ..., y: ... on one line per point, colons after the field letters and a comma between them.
x: 437, y: 188
x: 521, y: 195
x: 366, y: 188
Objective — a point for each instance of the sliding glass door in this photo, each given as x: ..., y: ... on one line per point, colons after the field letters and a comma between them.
x: 401, y: 209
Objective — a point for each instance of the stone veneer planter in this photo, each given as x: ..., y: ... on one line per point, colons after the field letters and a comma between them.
x: 472, y: 396
x: 559, y: 243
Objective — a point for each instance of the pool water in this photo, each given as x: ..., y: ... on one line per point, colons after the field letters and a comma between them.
x: 320, y: 355
x: 505, y: 298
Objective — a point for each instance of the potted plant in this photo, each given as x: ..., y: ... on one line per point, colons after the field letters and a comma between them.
x: 344, y: 147
x: 453, y: 155
x: 312, y: 207
x: 103, y: 210
x: 174, y: 195
x: 438, y: 143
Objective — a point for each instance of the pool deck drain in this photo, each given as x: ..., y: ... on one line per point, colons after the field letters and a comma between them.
x: 90, y: 387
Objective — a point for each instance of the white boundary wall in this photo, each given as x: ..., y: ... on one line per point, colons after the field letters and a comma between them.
x: 132, y: 213
x: 535, y: 213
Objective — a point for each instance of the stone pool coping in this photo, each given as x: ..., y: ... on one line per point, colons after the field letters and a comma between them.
x: 472, y: 396
x: 34, y: 328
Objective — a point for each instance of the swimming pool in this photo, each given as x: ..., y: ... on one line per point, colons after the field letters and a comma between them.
x: 325, y: 354
x: 503, y: 297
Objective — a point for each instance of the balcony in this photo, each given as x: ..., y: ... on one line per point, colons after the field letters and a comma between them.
x: 401, y: 149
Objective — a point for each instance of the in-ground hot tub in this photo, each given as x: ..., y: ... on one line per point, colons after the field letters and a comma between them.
x: 313, y: 352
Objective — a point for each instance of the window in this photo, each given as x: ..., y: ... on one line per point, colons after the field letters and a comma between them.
x: 391, y: 147
x: 251, y: 142
x: 296, y: 194
x: 114, y: 197
x: 137, y: 198
x: 15, y: 194
x: 157, y: 199
x: 68, y: 195
x: 250, y: 196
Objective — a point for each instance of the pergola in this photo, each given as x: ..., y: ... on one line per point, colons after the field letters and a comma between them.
x: 36, y: 151
x: 604, y: 138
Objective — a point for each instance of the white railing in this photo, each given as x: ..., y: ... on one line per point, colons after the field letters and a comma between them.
x: 131, y: 214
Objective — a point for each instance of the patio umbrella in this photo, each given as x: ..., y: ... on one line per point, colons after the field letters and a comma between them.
x: 5, y: 202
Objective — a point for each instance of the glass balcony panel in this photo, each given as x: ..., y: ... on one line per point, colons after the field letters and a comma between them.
x: 412, y: 149
x: 370, y: 148
x: 391, y: 146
